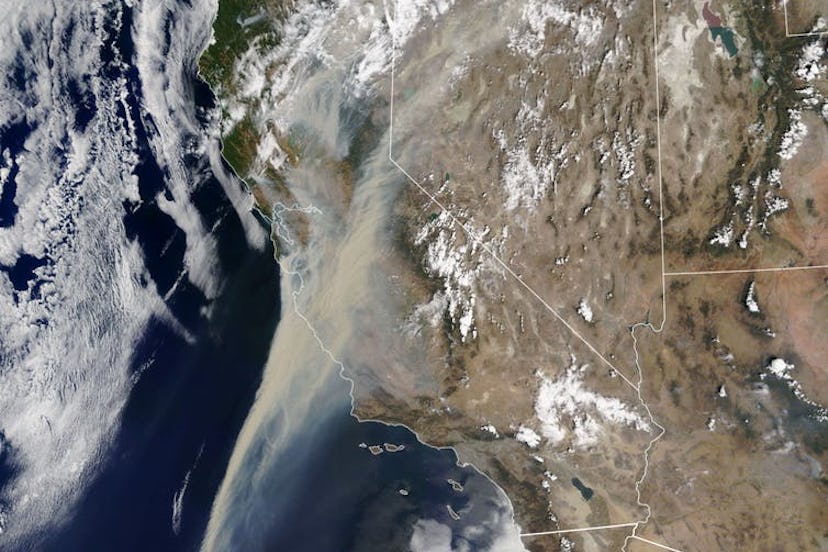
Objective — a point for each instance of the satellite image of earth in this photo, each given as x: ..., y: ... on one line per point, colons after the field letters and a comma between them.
x: 414, y: 275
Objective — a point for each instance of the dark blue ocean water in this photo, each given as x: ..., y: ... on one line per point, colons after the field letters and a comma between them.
x: 333, y: 494
x: 190, y: 399
x: 11, y: 140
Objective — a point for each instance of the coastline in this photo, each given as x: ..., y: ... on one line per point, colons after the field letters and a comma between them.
x: 339, y: 367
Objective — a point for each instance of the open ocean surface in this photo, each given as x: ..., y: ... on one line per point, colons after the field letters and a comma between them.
x: 156, y: 480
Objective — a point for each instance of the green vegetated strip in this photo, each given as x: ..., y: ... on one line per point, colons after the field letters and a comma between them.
x: 238, y: 25
x: 781, y: 56
x: 239, y: 146
x: 231, y: 40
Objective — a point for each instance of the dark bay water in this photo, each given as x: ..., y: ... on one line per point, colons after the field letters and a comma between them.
x: 586, y: 492
x: 338, y: 495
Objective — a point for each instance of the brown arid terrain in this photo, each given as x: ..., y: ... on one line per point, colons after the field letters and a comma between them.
x: 534, y: 229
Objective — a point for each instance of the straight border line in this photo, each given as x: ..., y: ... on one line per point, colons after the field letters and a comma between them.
x: 578, y: 530
x: 789, y: 34
x: 746, y: 270
x: 664, y: 275
x: 653, y: 543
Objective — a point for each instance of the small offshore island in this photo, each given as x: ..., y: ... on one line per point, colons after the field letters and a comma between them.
x: 488, y: 245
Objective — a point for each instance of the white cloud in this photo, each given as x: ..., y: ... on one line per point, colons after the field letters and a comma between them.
x: 793, y: 137
x: 566, y: 407
x: 529, y: 37
x: 431, y: 536
x: 750, y: 300
x: 585, y: 310
x: 499, y: 532
x: 528, y: 436
x: 810, y: 65
x: 67, y: 340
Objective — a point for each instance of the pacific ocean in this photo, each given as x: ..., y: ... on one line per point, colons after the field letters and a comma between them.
x: 196, y: 367
x: 190, y: 396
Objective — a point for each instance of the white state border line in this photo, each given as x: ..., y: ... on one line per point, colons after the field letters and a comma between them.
x: 659, y: 545
x: 578, y: 530
x: 516, y: 276
x: 746, y: 270
x: 789, y: 34
x: 646, y: 469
